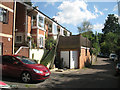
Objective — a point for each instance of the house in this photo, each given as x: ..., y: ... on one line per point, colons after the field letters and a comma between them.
x: 32, y: 29
x: 75, y: 53
x: 6, y: 27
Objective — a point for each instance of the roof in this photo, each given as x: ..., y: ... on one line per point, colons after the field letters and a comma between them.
x: 30, y: 7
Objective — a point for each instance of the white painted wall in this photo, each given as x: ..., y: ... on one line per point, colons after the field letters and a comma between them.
x: 65, y: 56
x: 38, y: 53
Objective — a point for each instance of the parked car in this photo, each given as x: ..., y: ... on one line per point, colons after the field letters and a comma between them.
x: 113, y: 57
x: 25, y: 68
x: 118, y: 68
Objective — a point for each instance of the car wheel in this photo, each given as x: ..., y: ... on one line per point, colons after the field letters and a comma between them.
x: 26, y: 77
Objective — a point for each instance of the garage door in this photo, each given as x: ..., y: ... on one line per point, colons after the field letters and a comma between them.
x: 74, y: 59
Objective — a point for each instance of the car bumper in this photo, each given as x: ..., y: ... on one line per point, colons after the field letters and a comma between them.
x: 36, y: 76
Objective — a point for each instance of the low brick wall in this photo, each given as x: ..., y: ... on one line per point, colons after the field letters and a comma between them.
x: 24, y: 51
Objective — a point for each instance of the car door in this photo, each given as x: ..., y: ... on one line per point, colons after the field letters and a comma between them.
x: 12, y: 67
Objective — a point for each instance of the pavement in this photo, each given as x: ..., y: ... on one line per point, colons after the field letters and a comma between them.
x: 99, y: 75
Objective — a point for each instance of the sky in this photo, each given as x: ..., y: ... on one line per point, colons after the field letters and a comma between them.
x: 71, y: 13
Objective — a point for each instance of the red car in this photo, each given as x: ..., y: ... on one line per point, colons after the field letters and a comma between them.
x: 27, y: 69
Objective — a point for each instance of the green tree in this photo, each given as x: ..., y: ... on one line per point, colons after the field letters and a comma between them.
x: 85, y: 26
x: 50, y: 43
x: 111, y: 34
x: 111, y: 24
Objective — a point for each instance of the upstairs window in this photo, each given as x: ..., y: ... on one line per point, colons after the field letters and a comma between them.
x: 4, y: 14
x: 41, y: 21
x: 55, y: 29
x: 34, y: 21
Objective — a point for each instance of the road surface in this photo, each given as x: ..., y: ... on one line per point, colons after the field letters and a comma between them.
x: 99, y: 75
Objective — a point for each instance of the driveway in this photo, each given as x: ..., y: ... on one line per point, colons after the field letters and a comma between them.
x: 99, y: 75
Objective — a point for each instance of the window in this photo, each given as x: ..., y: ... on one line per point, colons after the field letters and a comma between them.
x: 18, y: 39
x: 4, y: 14
x: 65, y: 33
x: 34, y: 21
x: 41, y: 42
x: 41, y: 21
x: 55, y: 29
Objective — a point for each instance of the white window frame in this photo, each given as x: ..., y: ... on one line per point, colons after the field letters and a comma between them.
x: 54, y: 26
x: 40, y: 15
x: 41, y: 43
x: 4, y: 15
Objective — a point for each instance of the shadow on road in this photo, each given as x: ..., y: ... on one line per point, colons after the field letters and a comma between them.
x: 103, y: 77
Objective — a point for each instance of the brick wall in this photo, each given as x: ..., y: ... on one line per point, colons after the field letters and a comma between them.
x: 84, y: 60
x: 29, y: 24
x: 6, y: 30
x: 20, y: 17
x: 24, y: 52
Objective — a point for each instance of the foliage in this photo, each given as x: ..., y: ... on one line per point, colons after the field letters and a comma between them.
x: 85, y: 26
x: 50, y: 43
x: 94, y: 40
x: 111, y: 24
x: 111, y: 36
x: 49, y: 57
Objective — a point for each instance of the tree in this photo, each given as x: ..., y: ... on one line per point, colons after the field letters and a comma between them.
x: 111, y: 35
x: 86, y: 26
x: 94, y: 40
x: 111, y: 24
x: 50, y: 43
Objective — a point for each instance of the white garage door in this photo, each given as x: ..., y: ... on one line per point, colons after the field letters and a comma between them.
x: 65, y: 56
x: 74, y: 59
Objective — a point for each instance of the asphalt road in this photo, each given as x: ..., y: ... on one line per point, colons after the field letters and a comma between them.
x: 99, y: 75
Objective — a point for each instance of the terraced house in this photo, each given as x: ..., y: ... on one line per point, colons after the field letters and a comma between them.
x: 32, y: 28
x: 24, y: 30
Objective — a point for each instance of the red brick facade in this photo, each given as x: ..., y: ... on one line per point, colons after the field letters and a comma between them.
x: 24, y: 52
x: 84, y: 58
x: 7, y: 29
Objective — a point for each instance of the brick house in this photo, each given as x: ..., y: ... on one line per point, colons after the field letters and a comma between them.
x: 75, y: 53
x: 6, y: 27
x: 30, y: 22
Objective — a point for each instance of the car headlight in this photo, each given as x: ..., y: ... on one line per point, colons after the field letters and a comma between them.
x: 37, y: 71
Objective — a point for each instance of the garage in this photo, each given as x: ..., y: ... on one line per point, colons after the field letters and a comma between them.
x: 70, y: 59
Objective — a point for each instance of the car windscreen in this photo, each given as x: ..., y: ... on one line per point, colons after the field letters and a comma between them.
x: 26, y: 60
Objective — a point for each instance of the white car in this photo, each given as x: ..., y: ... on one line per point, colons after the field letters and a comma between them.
x: 113, y: 57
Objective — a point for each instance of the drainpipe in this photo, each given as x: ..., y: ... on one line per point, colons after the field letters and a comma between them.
x: 14, y: 16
